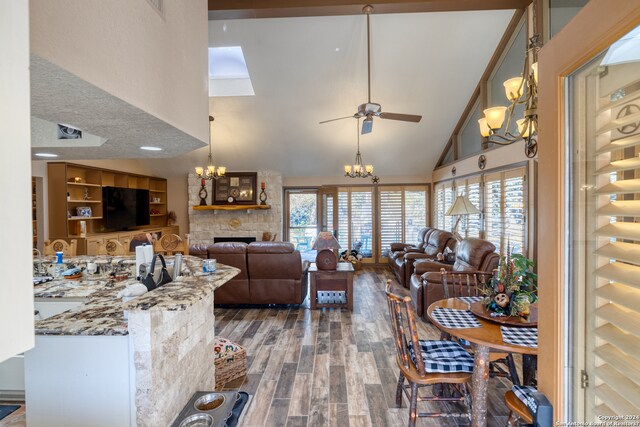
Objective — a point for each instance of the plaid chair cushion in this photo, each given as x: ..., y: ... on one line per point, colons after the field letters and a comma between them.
x: 443, y: 356
x: 524, y: 393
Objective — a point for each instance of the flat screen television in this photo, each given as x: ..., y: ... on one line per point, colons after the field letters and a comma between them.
x: 124, y: 207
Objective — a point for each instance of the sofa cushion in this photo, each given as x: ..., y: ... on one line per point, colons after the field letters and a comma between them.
x: 199, y: 250
x: 471, y: 253
x: 270, y: 248
x: 228, y: 248
x: 438, y: 240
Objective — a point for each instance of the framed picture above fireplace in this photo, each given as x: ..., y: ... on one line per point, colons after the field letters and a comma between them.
x: 235, y: 188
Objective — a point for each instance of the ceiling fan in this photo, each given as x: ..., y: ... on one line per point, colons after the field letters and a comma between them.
x: 369, y: 110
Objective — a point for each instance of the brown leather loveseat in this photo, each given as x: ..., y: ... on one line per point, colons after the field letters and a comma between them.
x: 426, y: 282
x: 270, y: 272
x: 402, y: 256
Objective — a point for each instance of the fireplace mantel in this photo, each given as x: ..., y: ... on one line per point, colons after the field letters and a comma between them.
x: 230, y: 207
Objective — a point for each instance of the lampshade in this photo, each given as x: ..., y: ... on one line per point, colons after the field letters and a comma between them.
x: 462, y: 206
x: 347, y: 168
x: 325, y: 240
x: 534, y: 69
x: 495, y: 116
x: 513, y: 88
x: 484, y: 127
x: 369, y: 168
x: 526, y: 127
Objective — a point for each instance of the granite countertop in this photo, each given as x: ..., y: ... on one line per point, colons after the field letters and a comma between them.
x: 103, y: 311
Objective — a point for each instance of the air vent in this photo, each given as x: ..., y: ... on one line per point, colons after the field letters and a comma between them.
x: 67, y: 132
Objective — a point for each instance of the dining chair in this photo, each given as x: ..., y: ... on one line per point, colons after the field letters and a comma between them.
x: 60, y: 245
x: 112, y: 247
x: 460, y: 284
x: 439, y: 362
x: 528, y: 406
x: 171, y: 244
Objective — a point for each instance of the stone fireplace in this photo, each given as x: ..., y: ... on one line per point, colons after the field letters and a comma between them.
x: 206, y: 225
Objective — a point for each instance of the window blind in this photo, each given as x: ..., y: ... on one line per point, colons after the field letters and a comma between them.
x: 415, y: 213
x: 343, y: 220
x: 615, y: 291
x: 505, y: 210
x: 390, y: 219
x: 362, y: 222
x: 470, y: 225
x: 402, y: 213
x: 443, y: 196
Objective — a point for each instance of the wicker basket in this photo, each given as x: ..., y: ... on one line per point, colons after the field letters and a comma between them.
x: 230, y: 361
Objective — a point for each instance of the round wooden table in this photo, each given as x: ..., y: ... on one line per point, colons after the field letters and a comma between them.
x: 483, y: 339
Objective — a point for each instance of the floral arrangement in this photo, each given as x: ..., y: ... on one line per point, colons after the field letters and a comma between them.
x: 513, y: 287
x: 353, y: 257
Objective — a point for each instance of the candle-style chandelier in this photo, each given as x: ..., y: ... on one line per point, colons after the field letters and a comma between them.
x: 211, y: 172
x: 519, y: 90
x: 358, y: 170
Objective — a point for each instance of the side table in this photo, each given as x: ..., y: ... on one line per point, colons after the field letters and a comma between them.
x: 340, y: 280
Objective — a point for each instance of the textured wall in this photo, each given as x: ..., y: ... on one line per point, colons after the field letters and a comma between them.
x: 173, y: 359
x: 205, y: 225
x: 156, y: 62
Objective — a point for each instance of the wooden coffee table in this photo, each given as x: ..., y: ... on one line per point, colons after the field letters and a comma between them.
x: 340, y: 279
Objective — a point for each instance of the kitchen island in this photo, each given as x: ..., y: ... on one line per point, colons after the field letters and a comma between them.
x: 112, y: 363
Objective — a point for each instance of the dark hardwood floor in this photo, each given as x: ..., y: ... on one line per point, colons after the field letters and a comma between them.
x: 330, y: 367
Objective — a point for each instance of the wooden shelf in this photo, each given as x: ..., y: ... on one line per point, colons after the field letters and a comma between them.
x: 84, y: 201
x: 80, y: 218
x: 230, y: 207
x: 157, y: 191
x: 157, y: 214
x: 157, y: 203
x: 84, y: 184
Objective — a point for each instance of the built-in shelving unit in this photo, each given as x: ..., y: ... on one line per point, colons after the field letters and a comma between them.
x: 72, y: 186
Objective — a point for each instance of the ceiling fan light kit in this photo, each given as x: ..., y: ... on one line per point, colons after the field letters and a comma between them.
x: 369, y: 109
x: 211, y: 172
x: 358, y: 169
x: 494, y: 117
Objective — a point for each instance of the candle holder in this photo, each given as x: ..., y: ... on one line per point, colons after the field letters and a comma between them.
x: 203, y: 193
x: 263, y: 197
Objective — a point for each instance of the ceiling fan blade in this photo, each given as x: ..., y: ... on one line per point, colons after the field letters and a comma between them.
x: 339, y: 118
x: 402, y: 117
x: 367, y: 125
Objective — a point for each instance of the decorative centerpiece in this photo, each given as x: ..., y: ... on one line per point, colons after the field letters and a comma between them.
x: 353, y: 257
x: 513, y: 287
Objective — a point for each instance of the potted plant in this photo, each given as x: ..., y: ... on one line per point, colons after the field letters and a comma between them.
x: 353, y: 257
x: 513, y: 287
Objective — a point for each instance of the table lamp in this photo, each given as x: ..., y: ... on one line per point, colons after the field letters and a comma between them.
x: 462, y: 206
x: 325, y: 243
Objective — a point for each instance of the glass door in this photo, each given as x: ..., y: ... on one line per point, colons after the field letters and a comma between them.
x: 328, y: 214
x: 302, y: 220
x: 602, y: 149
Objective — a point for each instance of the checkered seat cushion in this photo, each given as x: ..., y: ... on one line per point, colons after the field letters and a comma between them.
x: 443, y: 356
x: 525, y: 394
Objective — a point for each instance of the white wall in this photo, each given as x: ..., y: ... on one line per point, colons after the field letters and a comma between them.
x: 339, y: 179
x: 155, y: 62
x: 16, y: 292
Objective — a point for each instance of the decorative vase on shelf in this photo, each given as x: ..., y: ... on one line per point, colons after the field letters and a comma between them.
x: 263, y: 197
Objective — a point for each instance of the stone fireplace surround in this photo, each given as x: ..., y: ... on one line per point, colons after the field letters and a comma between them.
x: 204, y: 225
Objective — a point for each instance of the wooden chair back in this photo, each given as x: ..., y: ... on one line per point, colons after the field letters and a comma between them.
x: 405, y: 331
x: 171, y: 244
x: 60, y: 245
x: 112, y: 247
x: 464, y: 283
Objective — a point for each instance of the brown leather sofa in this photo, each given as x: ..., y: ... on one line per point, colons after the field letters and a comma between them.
x: 431, y: 241
x: 426, y: 282
x: 270, y: 272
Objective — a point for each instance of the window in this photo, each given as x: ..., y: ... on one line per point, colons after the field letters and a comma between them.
x: 470, y: 139
x: 355, y: 220
x: 302, y: 222
x: 503, y: 203
x: 604, y: 260
x: 403, y: 212
x: 504, y: 209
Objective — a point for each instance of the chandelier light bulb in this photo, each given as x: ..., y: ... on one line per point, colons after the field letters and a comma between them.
x: 347, y: 168
x: 369, y: 169
x: 526, y: 127
x: 513, y: 88
x: 495, y: 117
x: 199, y: 171
x: 222, y: 170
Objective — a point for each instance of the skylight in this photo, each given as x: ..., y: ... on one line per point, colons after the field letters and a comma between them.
x: 228, y: 73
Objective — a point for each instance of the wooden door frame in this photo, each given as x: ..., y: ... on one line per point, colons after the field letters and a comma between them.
x: 592, y: 30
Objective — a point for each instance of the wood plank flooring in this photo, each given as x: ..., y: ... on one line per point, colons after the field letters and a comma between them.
x: 330, y: 367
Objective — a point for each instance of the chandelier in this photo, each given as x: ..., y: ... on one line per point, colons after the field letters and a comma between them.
x: 358, y: 170
x: 211, y: 171
x: 521, y: 90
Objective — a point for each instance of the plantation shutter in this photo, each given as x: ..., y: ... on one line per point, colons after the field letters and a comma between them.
x: 343, y: 219
x: 362, y: 221
x: 473, y: 222
x: 438, y: 198
x: 505, y: 210
x: 390, y: 219
x: 415, y: 212
x: 615, y: 291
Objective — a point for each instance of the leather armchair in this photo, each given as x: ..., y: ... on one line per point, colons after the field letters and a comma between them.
x: 472, y: 255
x: 399, y: 249
x: 436, y: 241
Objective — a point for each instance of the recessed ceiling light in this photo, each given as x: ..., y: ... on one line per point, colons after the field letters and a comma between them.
x: 151, y: 148
x: 46, y: 155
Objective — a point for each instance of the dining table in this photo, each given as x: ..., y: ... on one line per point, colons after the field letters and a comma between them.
x: 484, y: 339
